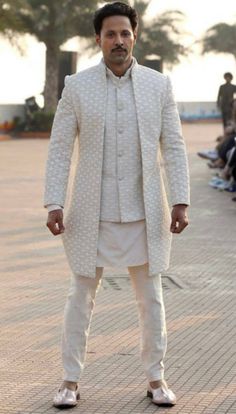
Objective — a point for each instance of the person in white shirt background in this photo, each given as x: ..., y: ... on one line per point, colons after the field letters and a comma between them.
x: 124, y: 116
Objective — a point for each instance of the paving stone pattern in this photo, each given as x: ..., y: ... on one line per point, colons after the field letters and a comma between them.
x: 199, y: 290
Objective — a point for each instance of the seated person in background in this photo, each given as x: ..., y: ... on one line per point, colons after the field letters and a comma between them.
x: 218, y: 156
x: 226, y: 180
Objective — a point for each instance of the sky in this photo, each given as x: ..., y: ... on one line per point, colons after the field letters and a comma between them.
x: 196, y: 78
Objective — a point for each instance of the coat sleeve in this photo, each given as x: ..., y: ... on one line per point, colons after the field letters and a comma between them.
x: 173, y: 150
x: 64, y: 131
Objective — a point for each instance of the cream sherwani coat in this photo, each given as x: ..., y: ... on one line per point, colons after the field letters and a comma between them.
x: 81, y: 113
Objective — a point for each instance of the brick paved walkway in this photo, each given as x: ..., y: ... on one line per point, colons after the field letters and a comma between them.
x: 199, y: 293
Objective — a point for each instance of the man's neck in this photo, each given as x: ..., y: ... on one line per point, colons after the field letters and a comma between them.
x: 119, y: 70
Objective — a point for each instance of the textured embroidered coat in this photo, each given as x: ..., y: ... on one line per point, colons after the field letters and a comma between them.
x: 81, y: 113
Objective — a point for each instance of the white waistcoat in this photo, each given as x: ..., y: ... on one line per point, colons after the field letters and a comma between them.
x: 121, y: 187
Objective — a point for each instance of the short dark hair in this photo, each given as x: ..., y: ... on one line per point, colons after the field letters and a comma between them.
x: 228, y: 75
x: 114, y: 9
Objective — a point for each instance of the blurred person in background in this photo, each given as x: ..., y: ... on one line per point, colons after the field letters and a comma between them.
x: 225, y: 96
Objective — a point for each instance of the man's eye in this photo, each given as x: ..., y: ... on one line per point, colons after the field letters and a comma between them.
x: 126, y: 34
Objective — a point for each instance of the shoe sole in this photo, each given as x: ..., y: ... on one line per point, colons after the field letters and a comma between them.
x: 149, y: 394
x: 64, y: 406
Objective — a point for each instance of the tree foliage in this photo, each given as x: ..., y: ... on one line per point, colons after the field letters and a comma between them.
x: 220, y: 38
x: 9, y: 18
x: 161, y: 36
x: 52, y: 22
x: 48, y: 19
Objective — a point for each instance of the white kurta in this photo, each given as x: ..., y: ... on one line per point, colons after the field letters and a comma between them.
x: 122, y: 244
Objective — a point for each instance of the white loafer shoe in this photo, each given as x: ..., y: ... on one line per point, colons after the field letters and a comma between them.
x: 66, y: 398
x: 161, y: 396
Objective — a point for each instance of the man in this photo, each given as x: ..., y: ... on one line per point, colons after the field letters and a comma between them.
x: 225, y: 97
x: 124, y: 115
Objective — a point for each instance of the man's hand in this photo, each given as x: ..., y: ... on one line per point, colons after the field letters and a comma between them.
x: 55, y: 222
x: 179, y: 218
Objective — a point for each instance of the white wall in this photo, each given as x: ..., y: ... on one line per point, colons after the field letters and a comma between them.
x: 8, y: 112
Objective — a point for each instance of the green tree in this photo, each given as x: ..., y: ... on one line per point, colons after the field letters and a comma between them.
x: 52, y: 22
x: 220, y: 38
x: 159, y: 36
x: 9, y: 21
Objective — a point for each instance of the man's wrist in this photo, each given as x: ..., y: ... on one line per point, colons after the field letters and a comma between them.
x: 181, y: 205
x: 52, y: 207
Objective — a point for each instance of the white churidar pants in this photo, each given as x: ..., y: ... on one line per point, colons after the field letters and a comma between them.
x: 78, y: 314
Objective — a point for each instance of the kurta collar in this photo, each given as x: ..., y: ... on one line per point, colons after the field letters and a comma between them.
x: 119, y: 81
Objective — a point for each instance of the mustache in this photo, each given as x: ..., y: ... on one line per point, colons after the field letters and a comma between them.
x: 119, y: 48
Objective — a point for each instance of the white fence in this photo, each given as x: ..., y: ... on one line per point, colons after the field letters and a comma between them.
x: 193, y: 111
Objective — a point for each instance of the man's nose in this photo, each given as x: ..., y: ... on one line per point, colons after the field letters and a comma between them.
x: 119, y: 41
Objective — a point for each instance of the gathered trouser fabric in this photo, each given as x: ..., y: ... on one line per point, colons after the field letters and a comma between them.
x: 78, y: 314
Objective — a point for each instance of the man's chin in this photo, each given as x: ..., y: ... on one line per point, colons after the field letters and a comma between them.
x: 119, y: 60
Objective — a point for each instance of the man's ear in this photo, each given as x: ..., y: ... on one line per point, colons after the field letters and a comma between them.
x: 135, y: 35
x: 98, y: 40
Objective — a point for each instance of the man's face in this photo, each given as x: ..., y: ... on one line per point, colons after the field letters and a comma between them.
x: 116, y: 39
x: 228, y: 79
